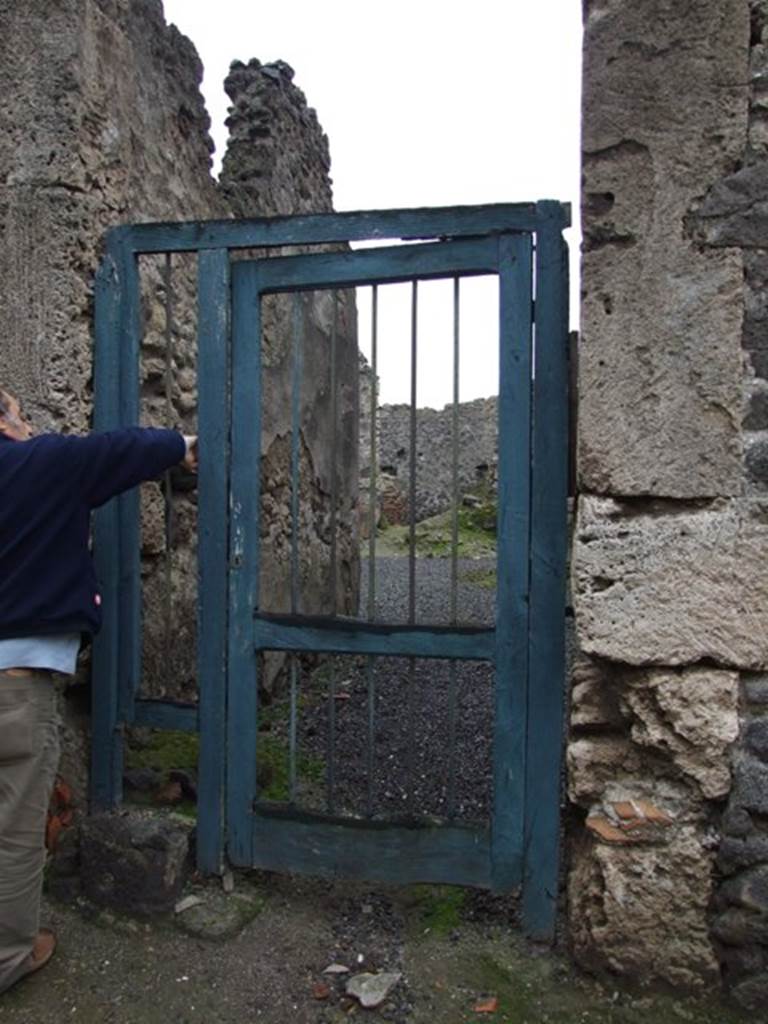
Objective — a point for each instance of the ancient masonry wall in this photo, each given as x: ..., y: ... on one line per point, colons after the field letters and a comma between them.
x: 103, y: 123
x: 477, y: 455
x: 668, y: 753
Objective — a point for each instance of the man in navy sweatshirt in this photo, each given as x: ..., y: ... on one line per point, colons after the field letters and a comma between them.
x: 49, y: 598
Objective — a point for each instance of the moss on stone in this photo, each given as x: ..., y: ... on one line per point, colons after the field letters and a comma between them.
x: 164, y: 751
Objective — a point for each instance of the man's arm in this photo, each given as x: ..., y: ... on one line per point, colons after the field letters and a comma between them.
x: 112, y: 462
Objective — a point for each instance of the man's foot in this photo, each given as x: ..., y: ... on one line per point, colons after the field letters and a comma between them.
x: 43, y: 949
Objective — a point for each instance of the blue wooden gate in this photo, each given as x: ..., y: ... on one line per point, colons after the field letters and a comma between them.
x: 521, y: 244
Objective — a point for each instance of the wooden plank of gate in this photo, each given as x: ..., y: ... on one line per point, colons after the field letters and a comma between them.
x: 387, y: 853
x: 318, y: 228
x: 106, y: 747
x: 129, y: 647
x: 166, y: 714
x: 548, y: 559
x: 340, y: 636
x: 213, y: 478
x: 389, y: 264
x: 512, y: 557
x: 245, y: 487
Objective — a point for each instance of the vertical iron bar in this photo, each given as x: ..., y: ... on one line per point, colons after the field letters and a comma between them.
x: 412, y: 461
x: 452, y: 687
x: 169, y: 518
x: 295, y: 466
x: 412, y: 541
x: 292, y: 730
x: 455, y: 456
x: 372, y: 501
x: 331, y: 768
x: 374, y: 457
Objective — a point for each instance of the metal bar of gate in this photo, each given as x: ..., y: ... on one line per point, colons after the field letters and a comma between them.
x: 452, y: 693
x: 411, y: 752
x: 331, y: 753
x: 372, y: 526
x: 296, y: 380
x: 167, y: 488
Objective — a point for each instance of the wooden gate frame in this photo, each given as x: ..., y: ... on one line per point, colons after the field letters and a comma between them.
x: 117, y: 649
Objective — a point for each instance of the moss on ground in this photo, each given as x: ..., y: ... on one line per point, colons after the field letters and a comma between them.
x: 535, y: 988
x: 439, y: 907
x: 433, y: 536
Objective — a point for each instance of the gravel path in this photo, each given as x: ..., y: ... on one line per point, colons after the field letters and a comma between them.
x: 417, y: 770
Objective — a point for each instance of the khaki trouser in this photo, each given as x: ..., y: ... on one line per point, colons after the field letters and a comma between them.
x: 29, y: 756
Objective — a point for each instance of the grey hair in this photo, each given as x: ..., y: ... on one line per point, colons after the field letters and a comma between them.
x: 5, y: 402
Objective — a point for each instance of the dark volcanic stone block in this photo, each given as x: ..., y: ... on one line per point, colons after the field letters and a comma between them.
x: 133, y: 863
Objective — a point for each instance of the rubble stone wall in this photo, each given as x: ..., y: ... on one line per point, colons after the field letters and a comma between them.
x: 667, y: 755
x: 477, y: 455
x: 103, y: 123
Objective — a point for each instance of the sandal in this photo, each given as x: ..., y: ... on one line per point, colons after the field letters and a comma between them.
x: 42, y: 951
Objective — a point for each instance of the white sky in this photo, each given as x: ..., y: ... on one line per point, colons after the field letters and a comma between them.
x: 425, y: 103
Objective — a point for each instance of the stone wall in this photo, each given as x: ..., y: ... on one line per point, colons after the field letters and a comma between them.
x: 670, y: 577
x: 477, y: 455
x: 103, y: 123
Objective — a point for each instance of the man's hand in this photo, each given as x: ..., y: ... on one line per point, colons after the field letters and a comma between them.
x: 190, y: 459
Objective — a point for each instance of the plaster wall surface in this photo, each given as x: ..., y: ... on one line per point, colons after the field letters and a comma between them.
x: 103, y: 123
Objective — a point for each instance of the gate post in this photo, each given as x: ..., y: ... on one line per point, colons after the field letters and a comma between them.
x: 549, y: 498
x: 213, y: 361
x: 106, y: 742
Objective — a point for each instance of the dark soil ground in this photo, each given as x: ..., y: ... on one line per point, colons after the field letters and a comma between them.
x: 455, y: 949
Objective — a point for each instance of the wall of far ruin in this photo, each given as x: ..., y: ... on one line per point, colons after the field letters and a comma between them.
x: 667, y: 753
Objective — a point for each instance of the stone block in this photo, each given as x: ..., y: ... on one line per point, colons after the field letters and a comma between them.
x: 595, y: 761
x: 756, y: 459
x: 735, y: 212
x: 594, y: 696
x: 756, y: 738
x: 654, y: 583
x: 640, y: 912
x: 749, y: 890
x: 736, y: 854
x: 756, y: 688
x: 739, y: 928
x: 736, y: 822
x: 133, y: 863
x: 690, y: 715
x: 752, y: 994
x: 750, y: 785
x: 756, y: 417
x: 664, y: 120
